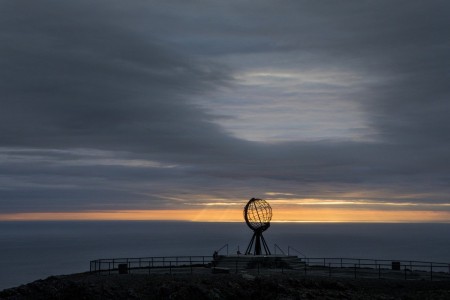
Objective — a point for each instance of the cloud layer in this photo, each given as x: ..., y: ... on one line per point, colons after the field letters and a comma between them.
x: 113, y: 105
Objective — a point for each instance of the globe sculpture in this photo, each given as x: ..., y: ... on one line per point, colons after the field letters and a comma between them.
x: 257, y: 215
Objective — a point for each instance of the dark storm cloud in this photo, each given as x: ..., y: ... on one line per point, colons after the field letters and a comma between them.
x: 77, y: 79
x: 124, y: 77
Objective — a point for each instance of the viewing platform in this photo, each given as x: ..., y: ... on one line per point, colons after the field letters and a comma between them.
x: 276, y: 264
x: 244, y: 262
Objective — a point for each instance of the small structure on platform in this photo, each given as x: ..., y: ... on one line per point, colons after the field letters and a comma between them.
x: 257, y: 215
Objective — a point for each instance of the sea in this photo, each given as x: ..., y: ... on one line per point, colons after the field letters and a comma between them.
x: 35, y: 250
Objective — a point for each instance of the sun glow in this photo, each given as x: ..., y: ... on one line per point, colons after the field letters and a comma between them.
x: 286, y: 208
x: 233, y: 214
x: 201, y: 215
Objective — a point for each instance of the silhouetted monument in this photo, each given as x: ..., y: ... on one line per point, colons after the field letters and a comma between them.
x: 257, y: 215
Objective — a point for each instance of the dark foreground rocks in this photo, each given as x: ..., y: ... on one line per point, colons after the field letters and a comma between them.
x: 223, y: 286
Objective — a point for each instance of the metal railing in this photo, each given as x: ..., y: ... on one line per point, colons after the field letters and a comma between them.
x: 149, y: 264
x: 275, y: 247
x: 221, y: 248
x: 296, y: 251
x: 379, y: 268
x: 307, y: 267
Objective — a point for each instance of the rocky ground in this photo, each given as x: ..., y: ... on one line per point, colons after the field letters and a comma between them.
x: 223, y: 286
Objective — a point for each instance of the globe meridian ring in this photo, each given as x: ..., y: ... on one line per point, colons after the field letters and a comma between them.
x: 258, y: 214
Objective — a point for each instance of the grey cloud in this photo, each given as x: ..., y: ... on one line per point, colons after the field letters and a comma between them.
x: 87, y: 84
x: 124, y: 78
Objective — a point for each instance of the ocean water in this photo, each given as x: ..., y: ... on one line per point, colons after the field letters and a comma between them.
x: 36, y: 250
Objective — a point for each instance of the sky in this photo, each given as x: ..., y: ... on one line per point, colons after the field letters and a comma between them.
x: 184, y: 110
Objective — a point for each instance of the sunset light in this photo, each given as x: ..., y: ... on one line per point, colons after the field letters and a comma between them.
x: 208, y: 214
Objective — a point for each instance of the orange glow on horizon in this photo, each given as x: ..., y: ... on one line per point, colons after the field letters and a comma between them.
x: 235, y: 215
x: 124, y: 215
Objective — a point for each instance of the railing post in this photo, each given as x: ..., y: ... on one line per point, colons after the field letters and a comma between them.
x: 355, y: 271
x: 329, y: 269
x: 190, y: 263
x: 379, y: 272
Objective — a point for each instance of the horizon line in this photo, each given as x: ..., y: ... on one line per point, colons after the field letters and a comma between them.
x: 235, y: 216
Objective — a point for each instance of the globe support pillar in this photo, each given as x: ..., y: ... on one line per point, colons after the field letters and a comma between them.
x: 258, y: 240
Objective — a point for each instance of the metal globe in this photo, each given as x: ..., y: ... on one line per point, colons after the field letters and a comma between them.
x: 257, y: 214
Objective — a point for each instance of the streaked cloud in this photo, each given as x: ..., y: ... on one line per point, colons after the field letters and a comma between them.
x: 133, y: 106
